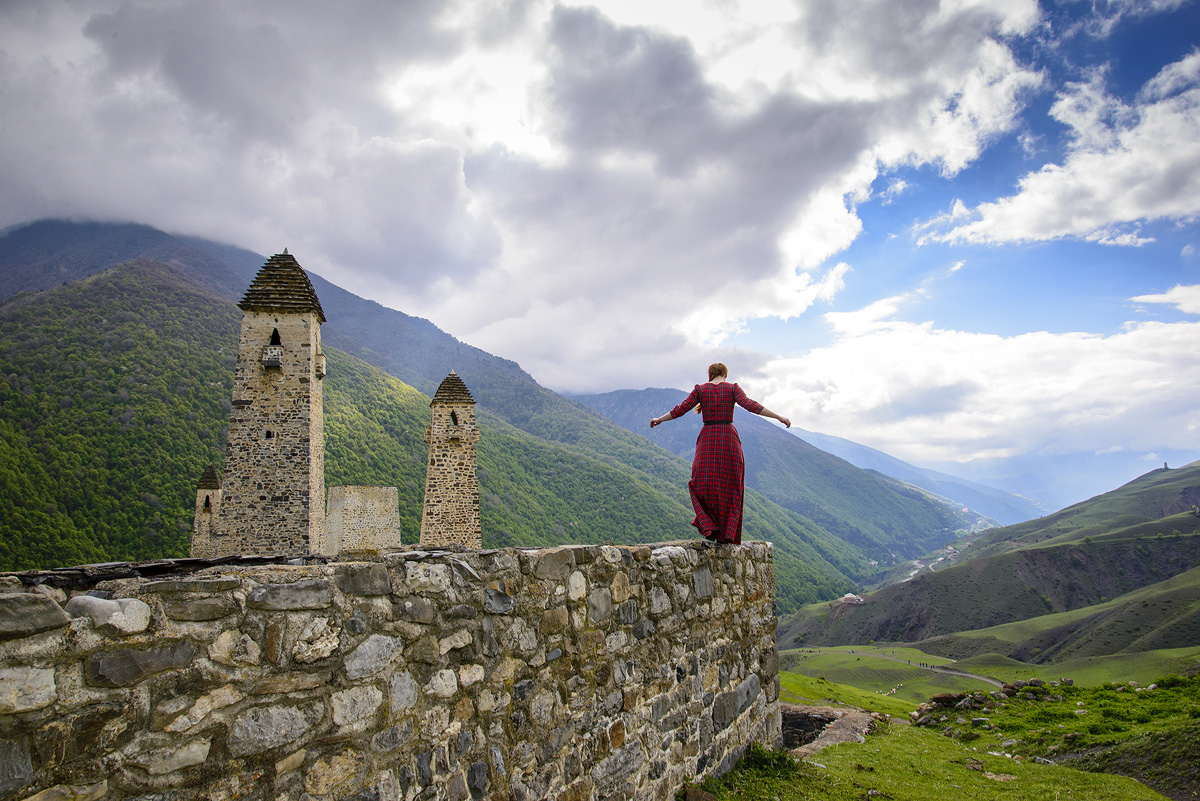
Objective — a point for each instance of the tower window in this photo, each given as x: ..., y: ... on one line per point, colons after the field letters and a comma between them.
x: 207, y: 501
x: 270, y: 434
x: 453, y: 418
x: 275, y: 337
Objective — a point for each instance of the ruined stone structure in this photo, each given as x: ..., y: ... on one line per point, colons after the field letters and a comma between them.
x: 361, y: 519
x: 273, y: 493
x: 581, y: 672
x: 451, y: 513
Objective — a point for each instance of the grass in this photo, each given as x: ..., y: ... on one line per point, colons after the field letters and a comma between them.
x: 874, y: 670
x: 1142, y: 667
x: 796, y: 688
x: 904, y: 763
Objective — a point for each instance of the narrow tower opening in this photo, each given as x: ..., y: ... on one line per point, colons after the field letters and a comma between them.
x: 275, y: 337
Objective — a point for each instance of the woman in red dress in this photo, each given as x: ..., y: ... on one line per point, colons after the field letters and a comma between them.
x: 718, y: 469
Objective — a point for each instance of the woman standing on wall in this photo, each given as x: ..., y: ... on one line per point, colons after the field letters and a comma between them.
x: 718, y: 469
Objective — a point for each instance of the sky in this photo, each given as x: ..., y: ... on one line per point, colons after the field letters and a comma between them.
x: 960, y: 232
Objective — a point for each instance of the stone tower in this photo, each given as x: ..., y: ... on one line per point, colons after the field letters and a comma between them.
x: 451, y: 515
x: 208, y: 512
x: 273, y: 493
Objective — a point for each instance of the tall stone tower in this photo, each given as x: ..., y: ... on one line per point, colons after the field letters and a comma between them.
x: 451, y: 515
x: 273, y: 493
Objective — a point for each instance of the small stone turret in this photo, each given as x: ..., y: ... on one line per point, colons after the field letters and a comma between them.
x: 451, y: 514
x: 208, y: 512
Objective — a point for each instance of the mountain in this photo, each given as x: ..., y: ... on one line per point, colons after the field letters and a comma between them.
x: 1137, y: 535
x: 116, y: 392
x: 1003, y: 507
x: 888, y: 520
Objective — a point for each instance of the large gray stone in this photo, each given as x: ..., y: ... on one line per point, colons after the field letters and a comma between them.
x: 194, y: 585
x: 660, y: 602
x: 16, y: 769
x: 118, y: 616
x: 599, y: 605
x: 366, y: 580
x: 199, y: 609
x: 126, y: 667
x: 725, y: 710
x: 404, y: 692
x: 414, y: 609
x: 304, y: 594
x: 747, y: 692
x: 265, y: 727
x: 557, y: 563
x: 702, y: 582
x: 24, y: 613
x: 620, y: 764
x: 26, y: 689
x: 371, y: 656
x: 498, y: 602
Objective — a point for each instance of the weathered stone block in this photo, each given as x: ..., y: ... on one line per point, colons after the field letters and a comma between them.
x: 16, y: 769
x: 354, y: 707
x: 309, y: 593
x: 193, y: 585
x: 265, y: 727
x: 553, y: 621
x: 497, y: 602
x: 26, y: 689
x: 23, y: 614
x: 365, y: 580
x: 118, y: 616
x: 702, y: 582
x: 178, y: 757
x: 414, y: 609
x: 372, y: 656
x: 126, y: 667
x: 404, y: 692
x: 200, y: 609
x: 555, y: 563
x: 73, y: 792
x: 599, y: 606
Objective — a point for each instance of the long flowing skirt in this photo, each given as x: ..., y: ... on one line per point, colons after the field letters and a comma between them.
x: 717, y: 485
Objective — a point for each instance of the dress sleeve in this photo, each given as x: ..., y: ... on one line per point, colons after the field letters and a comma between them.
x: 746, y: 403
x: 691, y: 400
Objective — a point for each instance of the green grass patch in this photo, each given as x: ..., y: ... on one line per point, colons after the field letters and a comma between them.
x: 1142, y: 667
x: 904, y: 763
x: 888, y: 672
x: 796, y: 688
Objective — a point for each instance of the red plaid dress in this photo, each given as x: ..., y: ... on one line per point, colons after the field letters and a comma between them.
x: 718, y: 469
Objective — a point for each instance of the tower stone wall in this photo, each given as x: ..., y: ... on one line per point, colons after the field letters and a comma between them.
x: 451, y: 513
x: 207, y: 514
x: 273, y: 493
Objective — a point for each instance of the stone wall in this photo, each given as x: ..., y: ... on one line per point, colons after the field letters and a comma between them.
x: 363, y: 519
x: 579, y: 672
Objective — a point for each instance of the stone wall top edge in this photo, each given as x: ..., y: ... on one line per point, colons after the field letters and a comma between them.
x: 88, y: 576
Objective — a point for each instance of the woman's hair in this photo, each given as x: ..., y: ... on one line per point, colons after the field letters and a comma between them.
x: 715, y: 369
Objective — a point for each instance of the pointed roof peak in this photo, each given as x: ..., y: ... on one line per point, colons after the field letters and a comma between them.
x: 282, y: 285
x: 210, y: 479
x: 452, y: 390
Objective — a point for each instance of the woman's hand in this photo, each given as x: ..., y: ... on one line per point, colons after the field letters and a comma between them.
x: 786, y: 422
x: 658, y: 421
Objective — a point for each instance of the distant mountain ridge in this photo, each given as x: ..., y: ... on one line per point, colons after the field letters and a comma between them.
x: 1079, y: 559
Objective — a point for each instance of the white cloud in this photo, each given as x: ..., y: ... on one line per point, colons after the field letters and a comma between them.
x: 1125, y: 165
x: 1184, y: 298
x: 928, y: 393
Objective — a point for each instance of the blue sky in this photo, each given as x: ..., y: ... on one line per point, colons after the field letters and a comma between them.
x: 960, y: 232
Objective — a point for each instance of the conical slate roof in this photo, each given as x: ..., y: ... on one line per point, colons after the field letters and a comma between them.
x: 282, y: 285
x: 452, y: 390
x: 210, y: 480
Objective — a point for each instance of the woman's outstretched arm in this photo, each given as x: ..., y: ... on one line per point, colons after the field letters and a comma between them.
x: 691, y: 400
x: 768, y: 413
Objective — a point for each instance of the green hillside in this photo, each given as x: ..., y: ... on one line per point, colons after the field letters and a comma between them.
x: 116, y: 396
x: 1148, y: 498
x: 1164, y: 615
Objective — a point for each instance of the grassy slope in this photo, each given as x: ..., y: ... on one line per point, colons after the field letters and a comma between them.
x: 1157, y: 494
x: 1161, y: 616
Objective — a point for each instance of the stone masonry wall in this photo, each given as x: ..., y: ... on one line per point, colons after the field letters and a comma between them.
x: 581, y: 672
x: 363, y: 519
x: 274, y: 484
